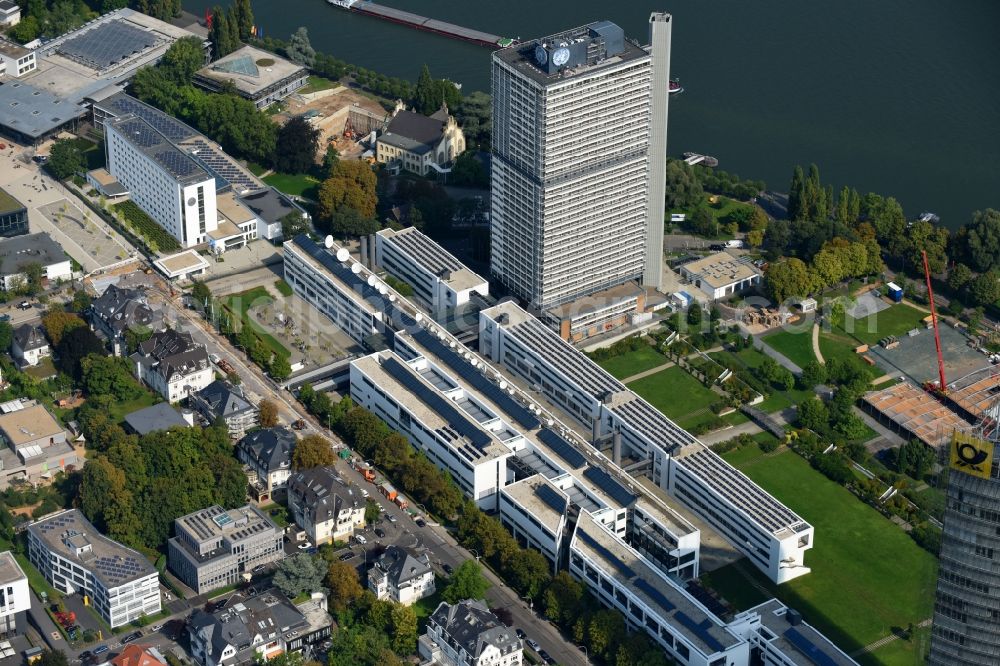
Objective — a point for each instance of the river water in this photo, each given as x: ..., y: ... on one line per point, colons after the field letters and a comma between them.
x: 899, y: 97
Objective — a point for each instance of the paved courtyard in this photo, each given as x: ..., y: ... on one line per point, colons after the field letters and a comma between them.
x: 90, y: 237
x: 916, y: 356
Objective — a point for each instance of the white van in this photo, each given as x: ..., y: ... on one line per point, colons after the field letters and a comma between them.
x: 361, y: 539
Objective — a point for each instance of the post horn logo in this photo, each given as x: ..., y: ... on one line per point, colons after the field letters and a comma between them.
x: 971, y: 455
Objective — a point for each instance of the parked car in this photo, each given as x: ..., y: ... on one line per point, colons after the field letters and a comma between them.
x: 420, y: 522
x: 365, y: 493
x: 448, y: 569
x: 100, y: 649
x: 85, y: 655
x: 214, y: 358
x: 546, y: 657
x: 4, y: 317
x: 257, y: 569
x: 392, y: 518
x: 305, y: 545
x: 520, y: 633
x: 24, y: 305
x: 532, y: 644
x: 361, y: 539
x: 131, y: 637
x: 348, y: 555
x: 379, y: 532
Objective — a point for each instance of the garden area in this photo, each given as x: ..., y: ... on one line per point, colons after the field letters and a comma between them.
x: 868, y: 577
x: 896, y: 320
x: 633, y: 362
x: 796, y: 346
x: 297, y: 185
x: 240, y: 305
x: 155, y: 237
x: 684, y: 399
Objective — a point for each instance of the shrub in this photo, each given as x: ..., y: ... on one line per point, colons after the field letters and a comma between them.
x: 156, y: 237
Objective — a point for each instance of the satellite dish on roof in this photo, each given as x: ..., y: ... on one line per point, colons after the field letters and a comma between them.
x: 392, y: 298
x: 371, y: 280
x: 342, y: 254
x: 329, y: 243
x: 419, y: 317
x: 503, y: 385
x: 382, y: 289
x: 356, y: 268
x: 550, y: 423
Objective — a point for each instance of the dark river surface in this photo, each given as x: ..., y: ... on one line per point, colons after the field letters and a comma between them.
x: 899, y: 97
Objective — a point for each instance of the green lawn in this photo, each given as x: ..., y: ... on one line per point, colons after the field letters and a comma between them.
x: 720, y: 210
x: 120, y: 410
x: 867, y: 575
x: 283, y: 288
x: 751, y: 358
x: 796, y: 346
x: 633, y: 362
x: 896, y: 320
x: 256, y: 169
x: 240, y: 303
x: 299, y: 185
x: 316, y: 84
x: 678, y: 395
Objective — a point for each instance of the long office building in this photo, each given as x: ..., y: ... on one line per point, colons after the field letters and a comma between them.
x: 772, y: 536
x: 579, y: 155
x: 966, y: 626
x: 74, y: 557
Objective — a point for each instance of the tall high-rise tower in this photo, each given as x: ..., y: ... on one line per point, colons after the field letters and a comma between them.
x: 579, y: 153
x: 966, y: 629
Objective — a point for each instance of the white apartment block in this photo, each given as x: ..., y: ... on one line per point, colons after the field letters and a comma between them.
x: 323, y: 505
x: 163, y: 180
x: 15, y: 60
x: 771, y: 535
x: 329, y: 280
x: 440, y: 281
x: 579, y: 153
x: 75, y: 558
x: 10, y: 13
x: 15, y: 597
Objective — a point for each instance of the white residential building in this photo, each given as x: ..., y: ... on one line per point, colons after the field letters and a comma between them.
x: 15, y: 597
x: 10, y: 13
x: 329, y: 280
x: 15, y: 60
x: 323, y: 505
x: 166, y: 182
x: 468, y: 634
x: 267, y: 453
x: 29, y: 345
x: 173, y: 364
x: 771, y: 535
x: 75, y: 558
x: 579, y: 155
x: 401, y: 576
x: 440, y: 281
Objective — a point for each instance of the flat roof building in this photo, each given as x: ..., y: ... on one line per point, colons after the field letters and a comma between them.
x: 257, y: 75
x: 160, y: 416
x: 440, y: 282
x: 36, y: 446
x: 13, y: 215
x: 721, y: 275
x: 577, y: 196
x: 74, y: 557
x: 16, y: 597
x: 21, y: 251
x: 914, y: 413
x: 215, y: 548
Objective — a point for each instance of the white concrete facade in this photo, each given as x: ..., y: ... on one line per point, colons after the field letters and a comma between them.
x: 15, y: 596
x: 772, y: 536
x: 16, y: 61
x: 184, y: 206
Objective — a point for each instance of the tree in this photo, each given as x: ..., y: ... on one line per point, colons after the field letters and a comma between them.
x: 347, y: 221
x: 959, y: 277
x: 425, y: 94
x: 312, y: 451
x: 797, y: 195
x: 109, y: 375
x: 81, y: 302
x: 371, y: 511
x: 345, y: 588
x: 352, y: 184
x: 605, y: 631
x: 244, y: 17
x: 299, y: 50
x: 475, y: 115
x: 65, y: 159
x: 404, y: 629
x: 788, y: 278
x: 467, y: 582
x: 922, y: 237
x: 684, y: 190
x: 982, y: 240
x: 74, y: 346
x: 564, y: 599
x: 297, y: 143
x: 298, y: 574
x: 27, y: 30
x: 293, y: 224
x: 468, y: 171
x: 232, y: 31
x: 221, y: 45
x: 6, y: 334
x: 107, y: 502
x: 183, y: 59
x: 268, y: 413
x: 813, y: 414
x: 914, y: 459
x: 886, y: 216
x: 53, y: 658
x: 702, y: 222
x: 812, y: 375
x: 985, y: 289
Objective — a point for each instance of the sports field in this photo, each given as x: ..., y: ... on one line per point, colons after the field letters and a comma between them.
x: 868, y: 577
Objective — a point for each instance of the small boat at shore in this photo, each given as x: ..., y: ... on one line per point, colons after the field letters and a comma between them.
x: 676, y: 87
x: 703, y: 160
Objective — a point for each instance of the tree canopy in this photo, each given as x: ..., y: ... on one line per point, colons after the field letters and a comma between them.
x: 300, y: 573
x: 109, y: 375
x: 684, y: 190
x: 467, y: 582
x: 344, y: 585
x: 351, y: 184
x: 65, y: 159
x: 297, y: 143
x: 299, y: 50
x: 73, y: 347
x: 312, y: 451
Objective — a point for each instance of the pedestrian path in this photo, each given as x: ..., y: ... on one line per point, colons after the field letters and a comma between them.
x: 885, y: 640
x: 816, y: 351
x: 647, y: 373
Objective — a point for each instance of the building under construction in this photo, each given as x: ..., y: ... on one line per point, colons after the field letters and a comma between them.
x: 913, y: 413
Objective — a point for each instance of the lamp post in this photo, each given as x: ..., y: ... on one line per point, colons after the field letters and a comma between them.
x: 586, y: 653
x: 531, y: 603
x: 474, y: 552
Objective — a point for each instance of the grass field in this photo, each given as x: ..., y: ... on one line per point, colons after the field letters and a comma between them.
x: 283, y: 288
x: 751, y: 358
x: 868, y: 577
x: 896, y: 320
x: 797, y: 347
x: 119, y: 410
x: 316, y: 84
x: 720, y: 210
x: 240, y: 303
x: 678, y: 395
x: 633, y: 362
x: 300, y: 185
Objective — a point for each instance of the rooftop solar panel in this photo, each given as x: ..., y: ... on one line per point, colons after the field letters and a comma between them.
x: 609, y: 485
x: 563, y: 358
x: 626, y: 571
x: 808, y: 648
x: 643, y: 585
x: 454, y: 360
x: 107, y: 44
x: 700, y: 629
x: 562, y: 448
x: 440, y: 405
x: 428, y: 254
x: 122, y: 104
x: 554, y: 499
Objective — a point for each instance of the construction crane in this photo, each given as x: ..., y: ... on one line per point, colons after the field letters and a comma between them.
x: 943, y: 386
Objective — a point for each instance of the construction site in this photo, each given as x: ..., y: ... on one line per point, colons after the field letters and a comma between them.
x: 344, y: 116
